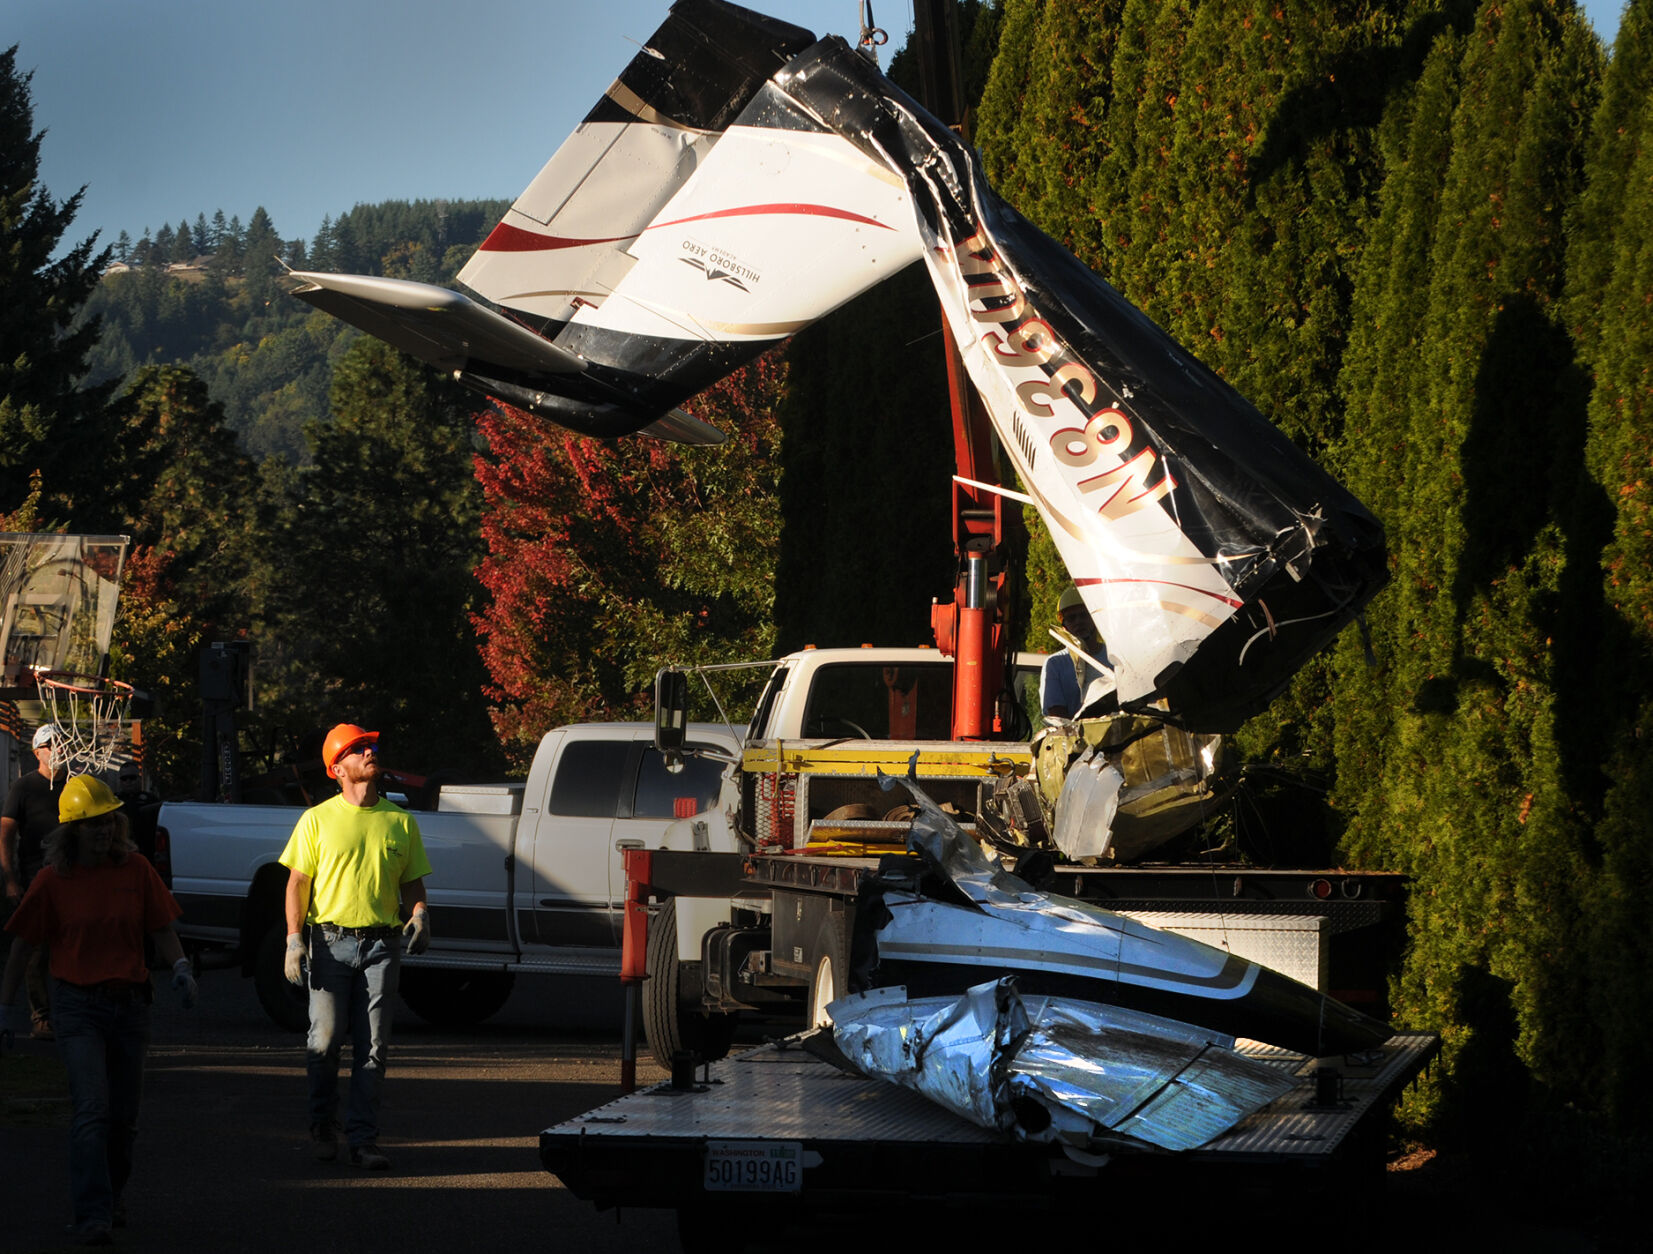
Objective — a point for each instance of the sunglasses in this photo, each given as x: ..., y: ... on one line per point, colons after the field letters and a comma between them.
x: 365, y: 746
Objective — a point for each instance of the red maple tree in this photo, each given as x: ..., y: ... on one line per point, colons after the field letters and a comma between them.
x: 608, y: 558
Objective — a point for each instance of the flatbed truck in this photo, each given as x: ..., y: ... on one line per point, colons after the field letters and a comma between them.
x: 782, y: 1135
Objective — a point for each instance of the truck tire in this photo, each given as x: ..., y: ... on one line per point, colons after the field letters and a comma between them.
x: 454, y: 999
x: 287, y: 1005
x: 669, y: 1024
x: 830, y: 980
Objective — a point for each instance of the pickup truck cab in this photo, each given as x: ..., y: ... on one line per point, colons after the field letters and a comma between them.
x: 525, y: 876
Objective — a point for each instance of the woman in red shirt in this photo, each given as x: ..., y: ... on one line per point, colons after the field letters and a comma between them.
x: 93, y: 904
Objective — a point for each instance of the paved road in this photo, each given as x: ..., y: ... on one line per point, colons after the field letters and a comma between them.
x: 223, y: 1164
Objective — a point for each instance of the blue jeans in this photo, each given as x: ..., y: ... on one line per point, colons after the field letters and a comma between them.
x: 352, y: 987
x: 102, y: 1036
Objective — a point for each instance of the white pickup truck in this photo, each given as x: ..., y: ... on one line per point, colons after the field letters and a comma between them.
x: 525, y: 876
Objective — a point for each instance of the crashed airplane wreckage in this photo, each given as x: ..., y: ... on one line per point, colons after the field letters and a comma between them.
x: 742, y: 179
x: 967, y: 919
x: 1129, y: 1039
x: 1057, y: 1070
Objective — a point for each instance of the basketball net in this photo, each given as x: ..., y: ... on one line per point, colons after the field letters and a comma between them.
x: 89, y: 713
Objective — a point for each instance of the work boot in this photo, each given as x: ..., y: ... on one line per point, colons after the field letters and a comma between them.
x: 324, y: 1142
x: 368, y: 1157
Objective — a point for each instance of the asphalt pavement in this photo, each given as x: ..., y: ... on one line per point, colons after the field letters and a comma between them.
x: 224, y: 1164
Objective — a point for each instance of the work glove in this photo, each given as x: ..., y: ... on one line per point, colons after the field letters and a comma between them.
x: 293, y: 966
x: 416, y: 932
x: 183, y: 979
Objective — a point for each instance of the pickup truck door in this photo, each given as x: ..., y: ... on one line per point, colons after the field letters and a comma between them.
x: 607, y: 792
x: 574, y: 842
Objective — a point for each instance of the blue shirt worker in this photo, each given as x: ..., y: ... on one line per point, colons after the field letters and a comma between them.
x: 354, y: 862
x: 1066, y: 675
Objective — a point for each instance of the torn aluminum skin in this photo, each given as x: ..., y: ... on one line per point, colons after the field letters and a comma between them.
x: 1054, y: 1069
x: 1086, y: 809
x: 1062, y: 946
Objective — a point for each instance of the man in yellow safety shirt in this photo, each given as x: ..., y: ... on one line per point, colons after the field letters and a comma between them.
x: 353, y: 862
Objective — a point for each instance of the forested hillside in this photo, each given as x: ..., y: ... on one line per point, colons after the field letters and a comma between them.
x: 206, y: 297
x: 1418, y: 234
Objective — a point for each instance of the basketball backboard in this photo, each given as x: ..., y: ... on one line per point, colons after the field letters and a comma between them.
x: 58, y: 595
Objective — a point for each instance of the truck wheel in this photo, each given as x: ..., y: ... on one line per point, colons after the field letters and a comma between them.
x: 288, y: 1006
x: 669, y: 1023
x: 454, y: 999
x: 831, y: 978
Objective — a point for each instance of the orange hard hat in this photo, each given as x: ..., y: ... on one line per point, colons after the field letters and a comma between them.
x: 342, y: 738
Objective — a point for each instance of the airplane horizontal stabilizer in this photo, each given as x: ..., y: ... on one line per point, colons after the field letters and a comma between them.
x: 444, y: 328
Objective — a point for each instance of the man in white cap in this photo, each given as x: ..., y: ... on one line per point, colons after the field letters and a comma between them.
x: 29, y: 814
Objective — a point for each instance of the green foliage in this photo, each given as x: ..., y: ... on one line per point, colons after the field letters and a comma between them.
x: 1610, y: 276
x: 365, y: 570
x: 1458, y: 755
x: 47, y: 420
x: 266, y: 357
x: 609, y: 559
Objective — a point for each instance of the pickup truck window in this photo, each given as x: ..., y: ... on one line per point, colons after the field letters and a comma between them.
x: 658, y: 791
x: 866, y: 699
x: 590, y: 775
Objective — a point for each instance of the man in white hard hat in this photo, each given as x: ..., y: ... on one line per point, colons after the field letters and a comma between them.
x: 1066, y: 676
x: 30, y: 813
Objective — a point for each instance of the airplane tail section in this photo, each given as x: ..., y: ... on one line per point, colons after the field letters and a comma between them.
x: 741, y: 180
x: 564, y: 244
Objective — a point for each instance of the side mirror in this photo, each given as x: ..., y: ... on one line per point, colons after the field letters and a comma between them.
x: 671, y: 710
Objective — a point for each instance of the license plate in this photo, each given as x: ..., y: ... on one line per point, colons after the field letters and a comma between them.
x: 754, y: 1166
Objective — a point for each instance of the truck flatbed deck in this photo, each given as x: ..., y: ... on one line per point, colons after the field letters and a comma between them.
x: 778, y: 1124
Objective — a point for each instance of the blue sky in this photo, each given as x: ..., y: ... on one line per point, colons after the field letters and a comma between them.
x: 165, y: 109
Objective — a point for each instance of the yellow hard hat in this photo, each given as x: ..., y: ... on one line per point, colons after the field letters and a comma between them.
x: 85, y: 797
x: 1070, y: 599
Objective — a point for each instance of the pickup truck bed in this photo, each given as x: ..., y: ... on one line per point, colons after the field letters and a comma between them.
x: 861, y: 1141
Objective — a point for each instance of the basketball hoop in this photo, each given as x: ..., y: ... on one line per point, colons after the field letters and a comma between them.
x: 88, y: 712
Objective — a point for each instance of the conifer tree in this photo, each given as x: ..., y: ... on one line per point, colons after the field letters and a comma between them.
x: 174, y: 480
x: 1610, y: 274
x: 47, y: 421
x: 1454, y: 767
x: 366, y: 580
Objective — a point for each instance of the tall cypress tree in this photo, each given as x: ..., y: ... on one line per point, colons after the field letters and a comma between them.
x: 1610, y: 275
x: 1465, y: 782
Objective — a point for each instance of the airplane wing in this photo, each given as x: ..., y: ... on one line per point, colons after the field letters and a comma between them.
x: 438, y: 326
x: 482, y: 349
